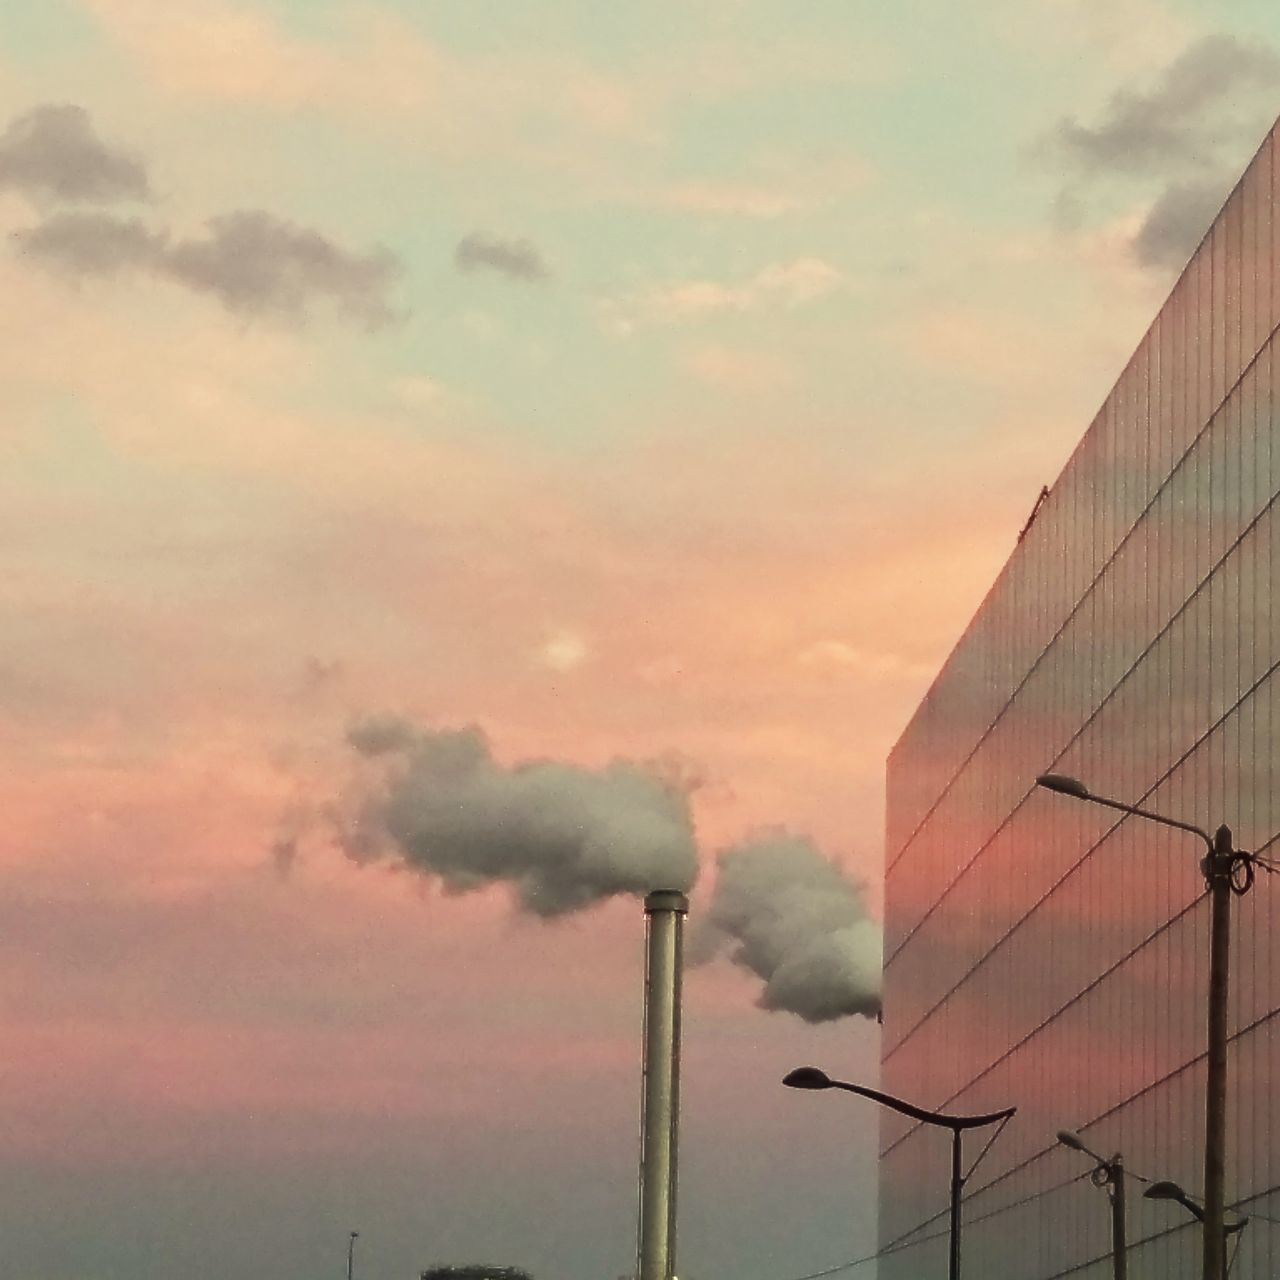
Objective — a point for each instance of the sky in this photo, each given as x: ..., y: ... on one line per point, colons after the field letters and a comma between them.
x: 465, y: 463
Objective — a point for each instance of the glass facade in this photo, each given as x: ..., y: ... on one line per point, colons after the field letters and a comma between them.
x: 1052, y: 954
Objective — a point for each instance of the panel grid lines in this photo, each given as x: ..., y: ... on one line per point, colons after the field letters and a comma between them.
x: 1169, y: 1077
x: 1075, y: 866
x: 1050, y: 954
x: 1093, y: 715
x: 1085, y: 596
x: 1079, y: 995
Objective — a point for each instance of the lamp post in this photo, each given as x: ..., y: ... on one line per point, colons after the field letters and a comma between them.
x: 1171, y: 1191
x: 351, y: 1254
x: 1109, y: 1174
x: 812, y: 1078
x: 1225, y: 869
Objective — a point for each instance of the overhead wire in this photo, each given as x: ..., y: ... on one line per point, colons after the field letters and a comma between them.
x: 906, y: 1241
x: 911, y: 1240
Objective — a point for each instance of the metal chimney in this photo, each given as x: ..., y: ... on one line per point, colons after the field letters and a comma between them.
x: 664, y: 910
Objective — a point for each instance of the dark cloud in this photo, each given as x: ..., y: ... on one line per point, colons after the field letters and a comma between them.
x: 53, y: 151
x: 1177, y: 221
x: 560, y: 836
x: 1184, y: 120
x: 321, y: 673
x: 93, y: 244
x: 792, y: 918
x: 253, y: 262
x: 516, y: 259
x: 284, y: 855
x: 380, y: 735
x: 1196, y: 123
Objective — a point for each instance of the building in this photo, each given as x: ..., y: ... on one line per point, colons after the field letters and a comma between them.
x: 1039, y: 952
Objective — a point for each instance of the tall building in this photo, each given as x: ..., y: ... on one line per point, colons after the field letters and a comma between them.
x: 1041, y: 951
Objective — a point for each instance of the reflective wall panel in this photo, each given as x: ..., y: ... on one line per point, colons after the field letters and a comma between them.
x: 1049, y: 953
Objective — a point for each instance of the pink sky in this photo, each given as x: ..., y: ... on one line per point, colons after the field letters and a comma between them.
x: 771, y: 330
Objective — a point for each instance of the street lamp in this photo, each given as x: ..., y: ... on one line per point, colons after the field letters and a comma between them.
x: 1109, y: 1174
x: 812, y: 1078
x: 351, y: 1254
x: 1171, y: 1191
x: 1226, y: 870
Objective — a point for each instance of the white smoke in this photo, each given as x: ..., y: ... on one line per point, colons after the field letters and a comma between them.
x: 563, y: 837
x: 796, y: 921
x: 560, y: 835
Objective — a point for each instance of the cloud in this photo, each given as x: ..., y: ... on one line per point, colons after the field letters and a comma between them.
x: 321, y: 673
x: 254, y: 262
x: 778, y: 285
x: 1179, y: 122
x: 796, y: 921
x: 774, y: 185
x: 1185, y: 135
x: 561, y: 836
x: 53, y: 150
x: 515, y: 259
x: 93, y: 244
x: 563, y: 651
x: 870, y: 664
x: 251, y: 261
x: 1177, y: 221
x: 380, y: 735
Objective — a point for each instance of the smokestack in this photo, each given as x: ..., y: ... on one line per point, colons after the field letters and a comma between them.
x: 664, y: 910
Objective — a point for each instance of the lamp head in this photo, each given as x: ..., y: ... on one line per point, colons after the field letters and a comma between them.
x: 807, y: 1078
x: 1072, y: 1140
x: 1063, y: 785
x: 1171, y: 1191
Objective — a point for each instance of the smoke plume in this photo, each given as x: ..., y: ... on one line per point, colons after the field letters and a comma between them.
x: 797, y: 922
x: 559, y: 835
x: 562, y: 837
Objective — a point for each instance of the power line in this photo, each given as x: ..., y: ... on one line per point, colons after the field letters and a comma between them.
x: 1048, y: 1021
x: 1169, y: 1231
x: 905, y: 1241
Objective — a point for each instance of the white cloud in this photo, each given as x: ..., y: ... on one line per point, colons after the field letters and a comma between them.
x: 796, y: 282
x: 779, y: 285
x: 867, y: 663
x: 772, y: 186
x: 563, y: 651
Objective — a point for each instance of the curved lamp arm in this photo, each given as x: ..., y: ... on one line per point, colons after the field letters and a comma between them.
x: 1065, y: 786
x: 812, y: 1078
